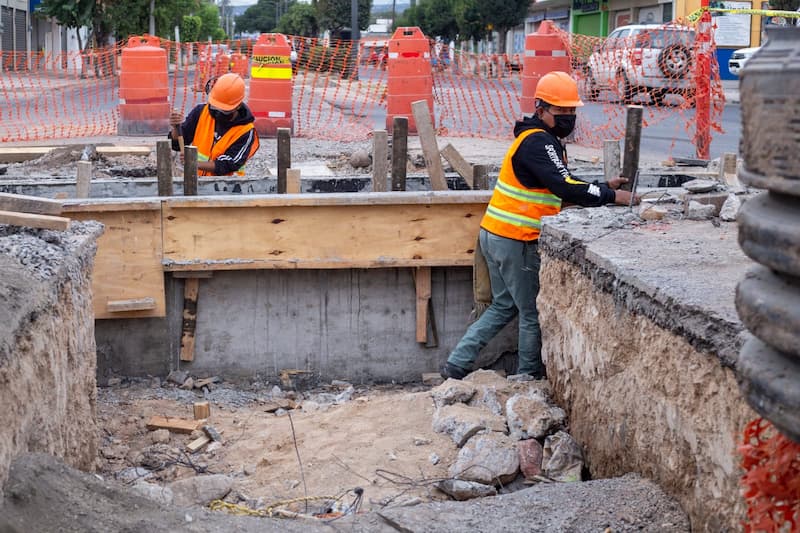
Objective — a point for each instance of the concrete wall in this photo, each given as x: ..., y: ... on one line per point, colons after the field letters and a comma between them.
x: 357, y: 325
x: 47, y: 345
x: 641, y: 338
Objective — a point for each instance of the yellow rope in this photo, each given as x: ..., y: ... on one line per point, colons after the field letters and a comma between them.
x: 243, y: 510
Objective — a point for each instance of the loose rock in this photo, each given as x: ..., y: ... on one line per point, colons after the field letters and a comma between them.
x: 462, y: 422
x: 698, y: 211
x: 360, y: 159
x: 452, y: 391
x: 489, y: 458
x: 530, y: 458
x: 700, y: 185
x: 532, y: 416
x: 730, y: 209
x: 562, y: 458
x: 178, y: 376
x: 200, y: 490
x: 159, y: 436
x: 154, y: 492
x: 461, y: 490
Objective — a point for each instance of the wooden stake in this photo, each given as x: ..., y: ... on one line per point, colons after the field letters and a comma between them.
x: 430, y: 149
x: 202, y: 410
x: 284, y: 157
x: 190, y: 291
x: 380, y: 162
x: 399, y: 152
x: 460, y: 164
x: 30, y: 204
x: 727, y: 171
x: 611, y: 159
x: 34, y: 221
x: 633, y: 138
x: 137, y: 304
x: 164, y: 167
x: 177, y: 425
x: 190, y: 171
x: 480, y: 177
x: 83, y: 179
x: 293, y: 181
x: 422, y: 281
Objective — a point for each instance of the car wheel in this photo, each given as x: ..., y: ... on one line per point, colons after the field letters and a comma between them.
x: 674, y: 61
x: 623, y: 88
x: 658, y: 97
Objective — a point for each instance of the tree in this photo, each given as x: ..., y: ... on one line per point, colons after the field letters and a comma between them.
x: 190, y: 28
x: 439, y: 17
x: 504, y: 15
x: 301, y: 19
x: 209, y: 27
x: 70, y: 13
x: 334, y: 15
x: 470, y: 20
x: 259, y: 18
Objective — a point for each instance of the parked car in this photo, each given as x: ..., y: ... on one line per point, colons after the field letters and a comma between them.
x: 643, y: 58
x: 739, y: 58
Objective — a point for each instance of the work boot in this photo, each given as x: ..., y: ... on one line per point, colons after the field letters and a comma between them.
x: 449, y: 370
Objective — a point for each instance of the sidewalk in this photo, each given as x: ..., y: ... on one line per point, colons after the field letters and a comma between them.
x: 731, y: 88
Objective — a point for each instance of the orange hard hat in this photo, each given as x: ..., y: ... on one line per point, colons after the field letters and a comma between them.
x: 558, y: 88
x: 227, y: 93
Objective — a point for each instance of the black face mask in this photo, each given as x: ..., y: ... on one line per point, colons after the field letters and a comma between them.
x: 564, y: 125
x: 220, y: 117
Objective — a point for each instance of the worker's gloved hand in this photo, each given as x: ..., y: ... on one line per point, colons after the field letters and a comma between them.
x: 175, y: 118
x: 624, y: 198
x: 615, y: 183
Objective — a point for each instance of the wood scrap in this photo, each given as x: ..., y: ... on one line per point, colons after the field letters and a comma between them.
x: 458, y: 163
x: 190, y: 291
x: 202, y: 410
x: 430, y: 150
x: 133, y: 304
x: 34, y: 221
x: 174, y: 424
x: 198, y: 444
x: 30, y: 204
x: 278, y: 403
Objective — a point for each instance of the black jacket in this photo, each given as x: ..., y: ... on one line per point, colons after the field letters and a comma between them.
x: 539, y: 163
x: 236, y: 155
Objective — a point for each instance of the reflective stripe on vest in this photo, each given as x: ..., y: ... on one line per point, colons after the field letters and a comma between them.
x: 208, y: 150
x: 516, y: 211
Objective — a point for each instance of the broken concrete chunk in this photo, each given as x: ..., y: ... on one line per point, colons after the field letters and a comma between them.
x: 178, y: 377
x: 452, y: 391
x: 360, y: 159
x: 697, y: 211
x: 700, y: 185
x: 461, y: 422
x: 421, y: 441
x: 487, y: 377
x: 730, y: 209
x: 490, y: 458
x: 650, y: 211
x: 434, y: 458
x: 520, y: 378
x: 489, y: 398
x: 530, y: 458
x: 562, y: 457
x: 200, y: 490
x: 532, y: 416
x: 212, y: 433
x: 461, y: 490
x: 154, y: 492
x: 159, y: 436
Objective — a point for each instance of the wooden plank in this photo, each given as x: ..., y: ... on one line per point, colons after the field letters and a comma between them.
x: 83, y: 180
x: 399, y: 153
x: 319, y: 236
x: 113, y: 151
x: 137, y: 304
x: 128, y: 261
x: 198, y: 274
x: 198, y: 444
x: 430, y: 149
x: 191, y: 289
x: 202, y: 410
x: 19, y: 154
x: 164, y: 167
x: 107, y: 205
x: 34, y: 221
x: 460, y: 164
x: 284, y: 157
x: 611, y: 159
x: 190, y: 171
x: 30, y: 204
x: 422, y: 282
x: 380, y: 160
x: 292, y: 180
x: 727, y: 170
x: 176, y: 425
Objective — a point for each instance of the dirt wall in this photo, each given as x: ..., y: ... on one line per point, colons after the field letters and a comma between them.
x: 642, y: 398
x: 47, y: 345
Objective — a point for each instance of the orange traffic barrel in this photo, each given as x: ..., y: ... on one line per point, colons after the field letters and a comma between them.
x: 223, y: 64
x: 240, y: 64
x: 271, y: 84
x: 545, y: 51
x: 143, y: 87
x: 410, y: 76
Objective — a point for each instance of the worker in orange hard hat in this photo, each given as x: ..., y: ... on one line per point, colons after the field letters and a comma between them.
x: 533, y: 182
x: 222, y: 129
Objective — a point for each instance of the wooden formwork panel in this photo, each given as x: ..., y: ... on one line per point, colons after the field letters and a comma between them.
x: 128, y: 265
x: 322, y: 231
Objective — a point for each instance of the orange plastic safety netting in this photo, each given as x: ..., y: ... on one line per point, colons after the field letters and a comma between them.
x: 76, y: 95
x: 771, y: 481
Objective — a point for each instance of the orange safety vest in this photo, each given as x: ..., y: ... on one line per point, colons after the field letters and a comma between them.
x: 516, y: 211
x: 208, y: 150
